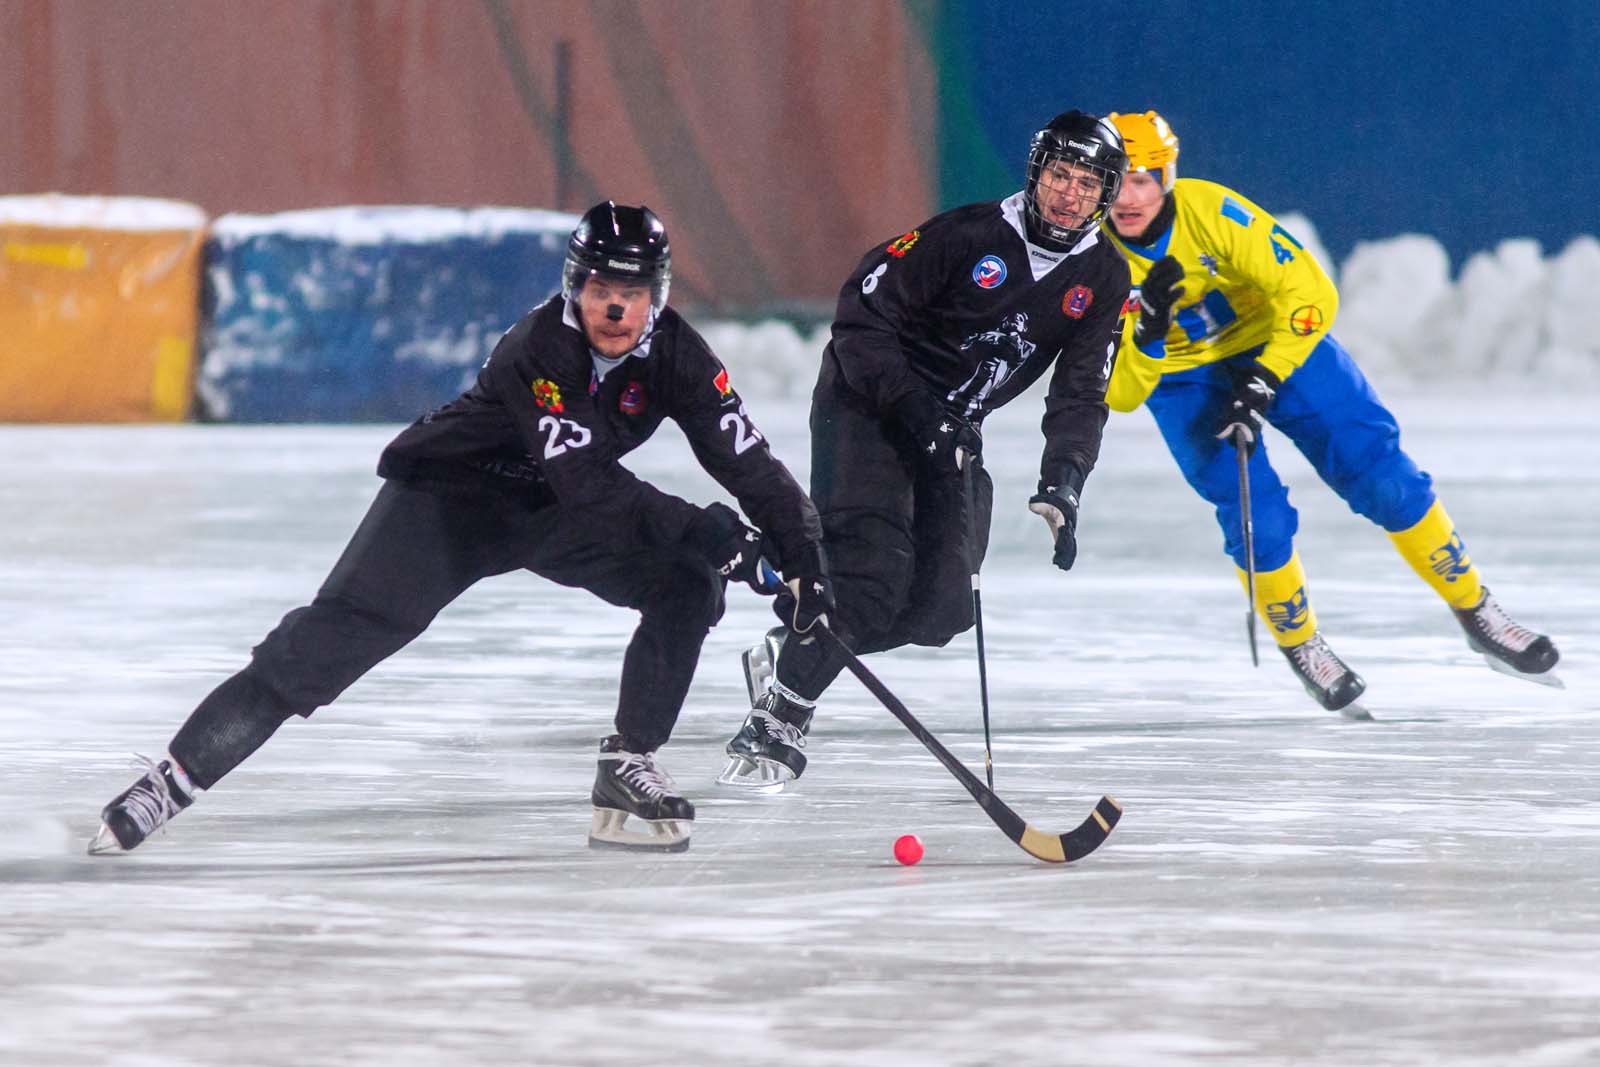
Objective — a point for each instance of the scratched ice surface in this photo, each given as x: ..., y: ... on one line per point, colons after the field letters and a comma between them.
x: 403, y: 878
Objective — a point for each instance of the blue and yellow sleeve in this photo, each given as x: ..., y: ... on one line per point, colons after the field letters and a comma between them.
x: 1301, y: 298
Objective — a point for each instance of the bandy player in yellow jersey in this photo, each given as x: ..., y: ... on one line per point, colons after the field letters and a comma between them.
x: 1231, y: 331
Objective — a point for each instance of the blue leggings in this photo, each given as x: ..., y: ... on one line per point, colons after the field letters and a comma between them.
x: 1333, y: 416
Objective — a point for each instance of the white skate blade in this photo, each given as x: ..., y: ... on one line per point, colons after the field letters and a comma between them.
x: 762, y: 776
x: 608, y: 829
x: 104, y: 843
x: 1355, y: 712
x: 1548, y: 678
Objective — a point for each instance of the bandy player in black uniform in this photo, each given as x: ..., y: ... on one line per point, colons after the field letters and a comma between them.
x: 522, y: 472
x: 934, y: 330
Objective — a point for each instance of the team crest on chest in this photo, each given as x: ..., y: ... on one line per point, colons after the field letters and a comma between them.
x: 990, y: 272
x: 633, y: 400
x: 1077, y: 301
x: 547, y: 395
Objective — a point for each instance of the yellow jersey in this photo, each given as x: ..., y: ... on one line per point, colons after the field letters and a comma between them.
x: 1246, y: 282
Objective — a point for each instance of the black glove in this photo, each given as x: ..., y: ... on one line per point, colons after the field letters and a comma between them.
x: 732, y: 548
x: 808, y: 594
x: 944, y: 441
x: 1160, y: 290
x: 1059, y: 506
x: 1254, y: 386
x: 1057, y: 502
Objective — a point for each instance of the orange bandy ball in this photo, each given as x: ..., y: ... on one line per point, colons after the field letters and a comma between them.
x: 908, y: 849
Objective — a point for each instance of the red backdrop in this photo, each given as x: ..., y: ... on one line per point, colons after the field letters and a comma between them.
x: 778, y: 140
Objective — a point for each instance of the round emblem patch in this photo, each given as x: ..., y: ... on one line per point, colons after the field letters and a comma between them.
x: 990, y: 272
x: 1305, y: 320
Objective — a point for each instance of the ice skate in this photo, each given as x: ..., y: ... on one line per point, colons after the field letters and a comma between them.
x: 136, y: 812
x: 1508, y: 646
x: 1326, y: 678
x: 764, y: 756
x: 761, y: 663
x: 629, y: 785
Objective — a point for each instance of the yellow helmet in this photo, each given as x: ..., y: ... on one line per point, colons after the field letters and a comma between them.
x: 1151, y: 145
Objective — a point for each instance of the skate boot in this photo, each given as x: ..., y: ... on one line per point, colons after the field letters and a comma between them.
x: 135, y: 813
x: 764, y: 756
x: 1326, y: 678
x: 761, y: 663
x: 1508, y: 646
x: 630, y: 785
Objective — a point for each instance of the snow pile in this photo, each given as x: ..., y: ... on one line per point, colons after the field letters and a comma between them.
x: 1513, y: 315
x: 123, y: 213
x: 358, y: 225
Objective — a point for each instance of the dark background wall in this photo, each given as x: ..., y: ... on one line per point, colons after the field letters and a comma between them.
x: 1472, y: 121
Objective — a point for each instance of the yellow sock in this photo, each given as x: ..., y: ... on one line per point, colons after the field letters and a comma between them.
x: 1434, y: 550
x: 1282, y: 601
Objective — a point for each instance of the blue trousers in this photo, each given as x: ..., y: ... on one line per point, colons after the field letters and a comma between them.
x: 1333, y: 416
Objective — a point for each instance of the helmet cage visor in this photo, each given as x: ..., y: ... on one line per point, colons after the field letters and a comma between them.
x: 1040, y: 161
x: 657, y: 275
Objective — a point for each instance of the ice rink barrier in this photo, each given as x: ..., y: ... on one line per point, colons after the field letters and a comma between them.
x: 365, y: 314
x: 98, y: 303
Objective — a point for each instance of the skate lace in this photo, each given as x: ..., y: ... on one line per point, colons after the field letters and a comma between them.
x: 1501, y: 628
x: 639, y: 770
x: 782, y: 731
x: 149, y: 803
x: 1318, y: 662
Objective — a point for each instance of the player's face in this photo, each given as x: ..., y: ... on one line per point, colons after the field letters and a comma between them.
x: 1068, y: 193
x: 1137, y: 204
x: 614, y: 313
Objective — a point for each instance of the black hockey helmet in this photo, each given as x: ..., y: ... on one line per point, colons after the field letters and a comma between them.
x: 621, y: 242
x: 1083, y: 139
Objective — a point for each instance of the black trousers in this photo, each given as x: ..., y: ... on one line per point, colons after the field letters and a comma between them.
x: 903, y: 542
x: 417, y: 549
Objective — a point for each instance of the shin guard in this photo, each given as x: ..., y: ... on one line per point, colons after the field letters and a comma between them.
x: 1434, y: 550
x: 1282, y: 601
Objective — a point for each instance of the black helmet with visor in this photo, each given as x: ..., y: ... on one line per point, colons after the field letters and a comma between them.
x: 623, y: 243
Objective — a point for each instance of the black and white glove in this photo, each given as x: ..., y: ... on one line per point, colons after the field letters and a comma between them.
x: 724, y: 541
x: 1158, y: 293
x: 1254, y: 388
x: 944, y: 441
x: 1058, y: 504
x: 808, y: 594
x: 813, y: 602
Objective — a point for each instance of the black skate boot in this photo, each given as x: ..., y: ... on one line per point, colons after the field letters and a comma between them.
x: 629, y: 784
x: 136, y: 812
x: 765, y: 755
x: 1508, y: 646
x: 1326, y: 678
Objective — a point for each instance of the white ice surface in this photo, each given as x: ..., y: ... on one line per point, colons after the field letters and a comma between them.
x: 403, y: 879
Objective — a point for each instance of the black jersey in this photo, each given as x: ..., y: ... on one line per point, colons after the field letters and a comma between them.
x: 966, y: 306
x: 546, y: 413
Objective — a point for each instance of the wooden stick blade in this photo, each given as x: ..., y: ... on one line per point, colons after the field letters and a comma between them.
x: 1053, y: 848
